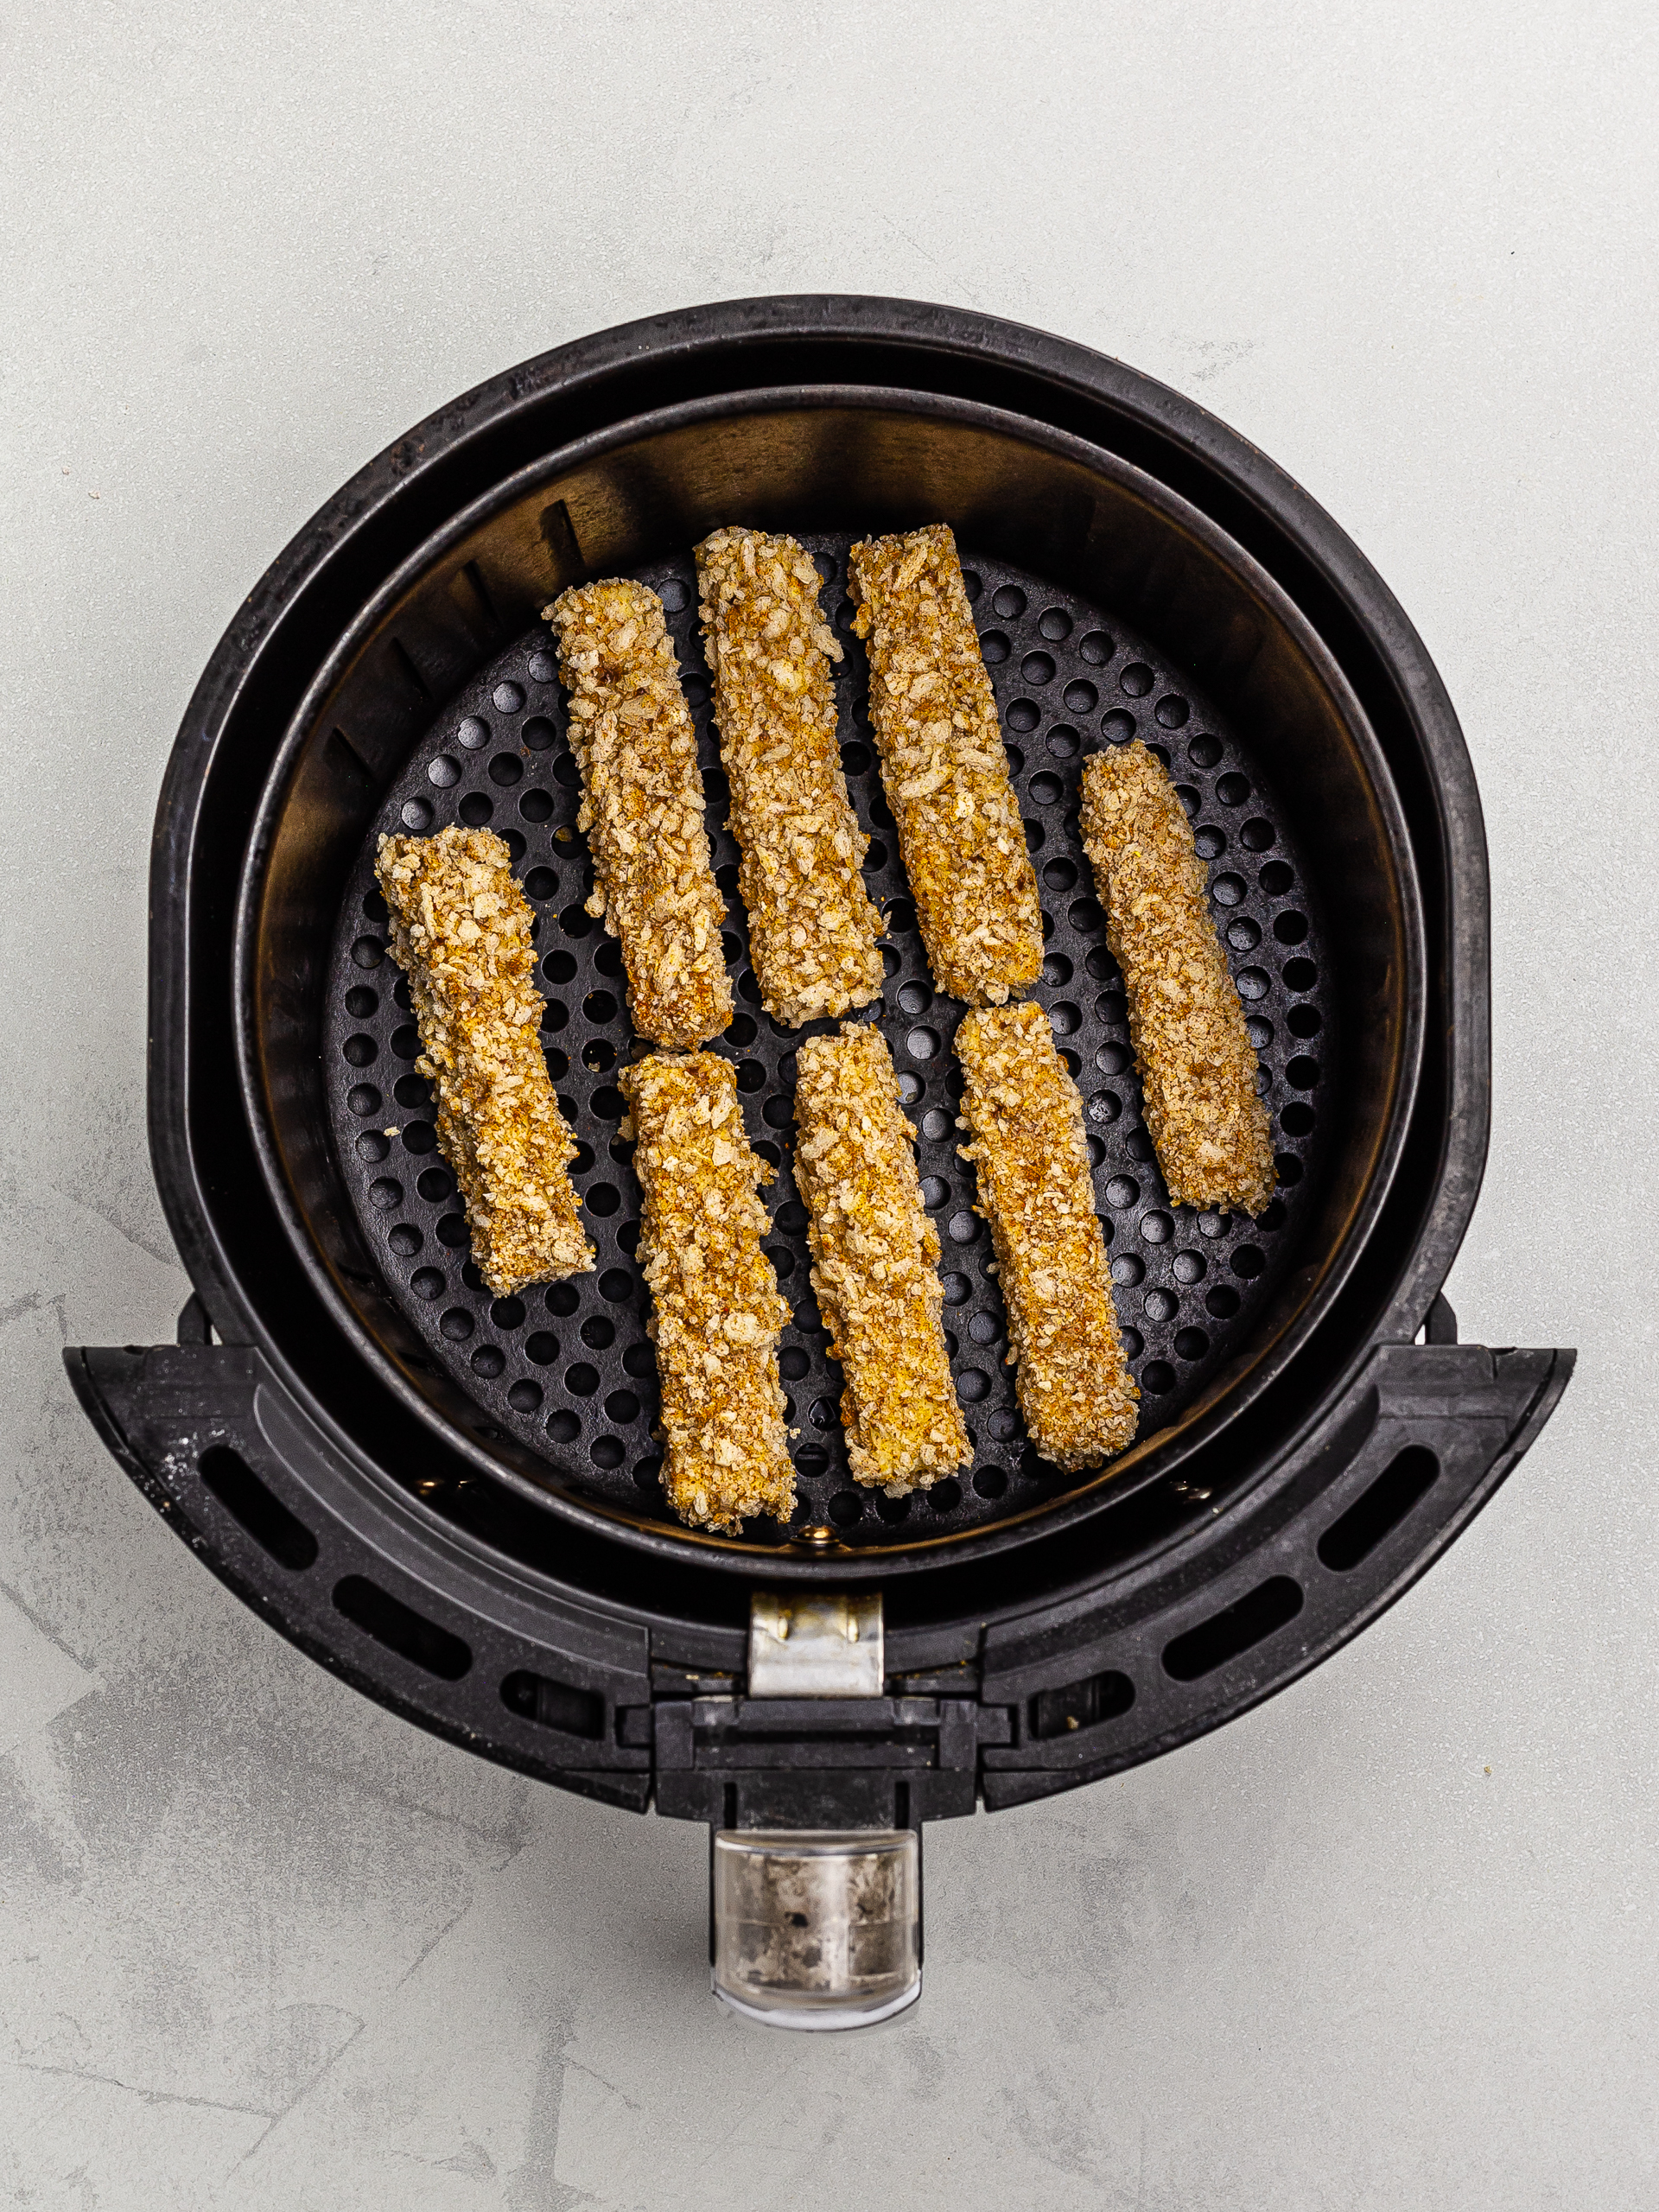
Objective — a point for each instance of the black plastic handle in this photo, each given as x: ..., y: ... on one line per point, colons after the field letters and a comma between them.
x: 347, y: 1567
x: 1394, y: 1476
x: 447, y: 1632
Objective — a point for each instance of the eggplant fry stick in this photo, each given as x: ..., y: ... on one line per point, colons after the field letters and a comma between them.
x: 945, y: 769
x: 717, y: 1310
x: 812, y: 924
x: 460, y: 932
x: 1198, y: 1065
x: 1036, y: 1189
x: 642, y: 809
x: 877, y: 1275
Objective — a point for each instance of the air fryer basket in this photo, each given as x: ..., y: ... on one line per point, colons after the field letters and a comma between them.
x: 452, y: 1502
x: 568, y: 1370
x: 1290, y: 785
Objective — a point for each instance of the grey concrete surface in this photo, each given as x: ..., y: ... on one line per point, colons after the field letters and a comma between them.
x: 1390, y: 1942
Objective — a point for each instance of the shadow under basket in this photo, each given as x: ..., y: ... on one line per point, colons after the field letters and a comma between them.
x: 453, y: 1500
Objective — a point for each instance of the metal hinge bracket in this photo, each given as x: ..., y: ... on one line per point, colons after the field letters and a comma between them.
x: 815, y: 1646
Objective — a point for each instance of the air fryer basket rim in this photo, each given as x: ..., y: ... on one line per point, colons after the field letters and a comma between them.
x: 286, y: 1475
x: 1147, y: 1460
x: 1300, y: 544
x: 1058, y: 381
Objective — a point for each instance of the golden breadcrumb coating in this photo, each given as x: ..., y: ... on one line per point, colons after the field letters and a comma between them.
x: 717, y: 1311
x: 1036, y: 1189
x: 812, y: 924
x: 877, y: 1274
x: 945, y: 768
x: 1198, y: 1065
x: 642, y: 808
x: 460, y: 932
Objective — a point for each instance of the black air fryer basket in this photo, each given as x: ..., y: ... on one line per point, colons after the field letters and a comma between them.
x: 452, y: 1501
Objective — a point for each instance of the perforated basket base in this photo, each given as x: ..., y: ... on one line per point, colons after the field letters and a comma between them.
x: 567, y: 1369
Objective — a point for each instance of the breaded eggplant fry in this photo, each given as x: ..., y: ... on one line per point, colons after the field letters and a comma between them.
x: 945, y: 768
x: 812, y: 924
x: 1198, y: 1065
x: 460, y: 932
x: 717, y: 1311
x: 642, y: 808
x: 1035, y: 1189
x: 877, y: 1277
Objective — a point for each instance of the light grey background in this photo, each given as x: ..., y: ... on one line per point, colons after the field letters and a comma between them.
x: 1390, y: 1942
